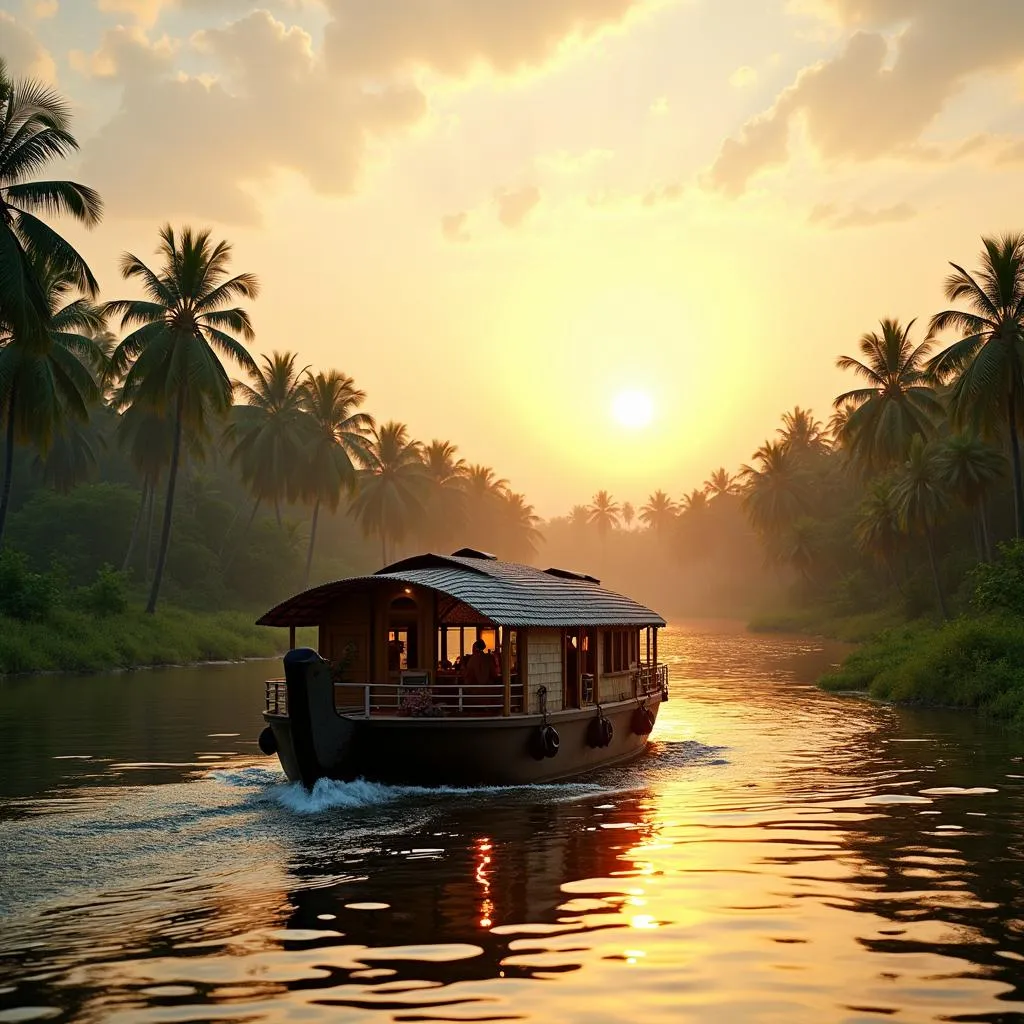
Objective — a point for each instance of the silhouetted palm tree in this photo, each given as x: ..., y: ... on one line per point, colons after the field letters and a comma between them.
x: 270, y: 431
x: 775, y: 492
x: 802, y: 434
x: 338, y: 442
x: 34, y: 131
x: 628, y: 514
x: 169, y: 362
x: 603, y: 513
x: 445, y: 511
x: 986, y: 366
x: 519, y: 525
x: 879, y: 528
x: 897, y: 405
x: 44, y: 385
x: 720, y: 483
x: 659, y: 512
x: 970, y: 469
x: 923, y: 501
x: 393, y: 486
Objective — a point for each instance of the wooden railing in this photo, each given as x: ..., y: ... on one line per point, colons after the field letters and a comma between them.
x: 276, y: 697
x: 434, y: 701
x: 651, y: 678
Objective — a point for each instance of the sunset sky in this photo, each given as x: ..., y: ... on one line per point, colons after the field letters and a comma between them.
x: 500, y: 215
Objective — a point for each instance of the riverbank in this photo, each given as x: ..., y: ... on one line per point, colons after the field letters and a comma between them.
x: 823, y: 621
x: 973, y: 662
x: 71, y: 640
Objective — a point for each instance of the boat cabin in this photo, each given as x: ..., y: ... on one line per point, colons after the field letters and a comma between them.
x: 398, y: 640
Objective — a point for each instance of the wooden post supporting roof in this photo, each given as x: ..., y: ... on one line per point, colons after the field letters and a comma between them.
x: 291, y: 638
x: 506, y: 671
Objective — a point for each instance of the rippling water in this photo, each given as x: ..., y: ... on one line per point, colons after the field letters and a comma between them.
x: 779, y: 855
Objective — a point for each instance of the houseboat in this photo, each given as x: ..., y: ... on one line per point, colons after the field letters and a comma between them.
x: 463, y: 670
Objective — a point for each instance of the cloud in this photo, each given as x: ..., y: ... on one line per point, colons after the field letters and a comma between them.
x: 25, y: 56
x: 831, y: 215
x: 126, y: 54
x: 42, y: 9
x: 187, y: 145
x: 903, y: 61
x: 454, y: 37
x: 515, y: 205
x: 743, y: 77
x: 453, y: 226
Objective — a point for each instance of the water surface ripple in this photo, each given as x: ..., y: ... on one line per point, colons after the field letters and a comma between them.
x: 779, y: 855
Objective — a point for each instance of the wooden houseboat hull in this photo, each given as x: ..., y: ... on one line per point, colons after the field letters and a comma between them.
x: 314, y: 741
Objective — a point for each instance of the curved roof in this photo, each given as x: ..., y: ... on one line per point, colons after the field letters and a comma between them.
x: 505, y: 593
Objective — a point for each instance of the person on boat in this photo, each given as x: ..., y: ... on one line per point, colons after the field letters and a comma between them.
x: 478, y: 669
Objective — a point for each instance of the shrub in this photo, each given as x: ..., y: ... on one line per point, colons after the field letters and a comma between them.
x: 26, y: 595
x: 999, y: 585
x: 107, y: 595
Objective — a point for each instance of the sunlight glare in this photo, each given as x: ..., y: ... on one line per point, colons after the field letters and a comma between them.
x: 633, y: 409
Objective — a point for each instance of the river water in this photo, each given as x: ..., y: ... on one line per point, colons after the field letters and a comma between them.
x: 779, y: 855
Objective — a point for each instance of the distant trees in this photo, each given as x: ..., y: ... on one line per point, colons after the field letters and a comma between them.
x: 603, y: 513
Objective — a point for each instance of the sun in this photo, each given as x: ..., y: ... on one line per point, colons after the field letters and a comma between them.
x: 633, y: 409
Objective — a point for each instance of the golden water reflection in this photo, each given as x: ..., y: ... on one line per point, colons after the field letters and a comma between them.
x: 780, y: 856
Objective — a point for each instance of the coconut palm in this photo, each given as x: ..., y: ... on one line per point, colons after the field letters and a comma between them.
x: 970, y: 469
x: 519, y: 527
x: 897, y: 404
x: 659, y: 512
x: 392, y: 487
x: 34, y: 131
x: 802, y: 434
x: 720, y: 483
x: 170, y: 362
x: 603, y: 513
x: 695, y: 503
x: 986, y: 366
x: 270, y: 431
x: 337, y: 443
x: 445, y: 512
x: 922, y: 500
x: 628, y: 514
x: 775, y: 490
x: 879, y: 527
x: 44, y: 385
x: 578, y: 517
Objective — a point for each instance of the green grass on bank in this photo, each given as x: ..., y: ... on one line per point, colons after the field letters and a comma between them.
x: 972, y: 662
x: 73, y: 640
x: 823, y: 621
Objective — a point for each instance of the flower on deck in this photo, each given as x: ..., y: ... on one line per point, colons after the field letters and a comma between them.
x: 419, y: 703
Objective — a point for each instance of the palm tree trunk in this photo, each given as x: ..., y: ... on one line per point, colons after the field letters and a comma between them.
x: 312, y: 539
x: 137, y: 525
x: 929, y: 541
x: 1018, y: 481
x: 383, y: 548
x: 277, y: 511
x: 165, y: 533
x: 5, y: 497
x: 986, y: 537
x: 149, y: 531
x: 244, y: 534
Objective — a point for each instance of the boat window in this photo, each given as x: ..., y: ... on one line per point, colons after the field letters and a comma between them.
x: 620, y: 648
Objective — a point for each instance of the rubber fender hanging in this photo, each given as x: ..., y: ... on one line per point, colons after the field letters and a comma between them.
x: 642, y: 722
x: 268, y: 741
x: 551, y: 741
x: 607, y: 731
x: 664, y: 693
x: 594, y: 735
x: 536, y: 744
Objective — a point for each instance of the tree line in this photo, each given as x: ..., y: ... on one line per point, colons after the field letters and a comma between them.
x: 161, y: 391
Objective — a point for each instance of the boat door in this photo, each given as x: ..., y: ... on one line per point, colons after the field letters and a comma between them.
x: 572, y: 665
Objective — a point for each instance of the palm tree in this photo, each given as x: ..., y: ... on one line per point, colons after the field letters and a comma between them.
x: 338, y: 445
x: 393, y: 486
x: 659, y: 512
x: 879, y: 526
x: 628, y: 514
x: 34, y: 130
x: 898, y: 403
x: 603, y: 513
x: 42, y: 386
x: 970, y: 468
x: 986, y: 366
x: 270, y: 430
x: 802, y: 434
x: 484, y: 494
x: 922, y: 500
x: 578, y: 517
x: 169, y: 362
x: 775, y: 492
x: 695, y: 503
x: 720, y: 483
x: 520, y: 527
x: 445, y: 514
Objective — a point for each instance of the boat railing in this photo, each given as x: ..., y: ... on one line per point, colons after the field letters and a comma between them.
x: 276, y: 697
x: 435, y: 701
x: 651, y: 678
